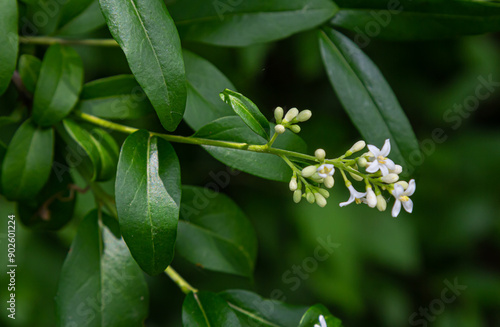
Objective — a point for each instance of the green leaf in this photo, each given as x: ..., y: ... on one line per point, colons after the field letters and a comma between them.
x: 253, y: 310
x: 29, y: 70
x: 28, y: 161
x: 311, y: 317
x: 248, y: 111
x: 148, y: 193
x: 417, y: 19
x: 108, y: 153
x: 214, y: 233
x: 83, y: 152
x: 117, y: 97
x: 207, y: 309
x: 148, y: 37
x: 79, y: 17
x: 59, y: 85
x: 9, y: 42
x: 242, y: 23
x: 54, y: 205
x: 100, y: 284
x: 3, y: 150
x: 366, y: 97
x: 264, y: 165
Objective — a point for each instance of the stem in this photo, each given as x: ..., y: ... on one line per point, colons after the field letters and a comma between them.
x: 275, y: 135
x: 181, y: 282
x: 47, y: 40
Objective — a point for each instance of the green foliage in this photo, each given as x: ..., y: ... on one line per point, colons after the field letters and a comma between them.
x: 148, y: 37
x: 148, y: 193
x: 8, y: 42
x: 29, y: 70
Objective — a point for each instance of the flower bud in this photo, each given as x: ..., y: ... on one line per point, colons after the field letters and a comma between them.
x: 324, y: 192
x: 304, y: 115
x: 309, y: 171
x: 329, y: 181
x: 358, y: 146
x: 320, y: 199
x: 320, y: 154
x: 294, y: 128
x: 297, y: 196
x: 317, y: 178
x: 371, y: 199
x: 310, y: 197
x: 389, y: 178
x: 278, y: 114
x: 403, y: 184
x: 291, y: 114
x: 279, y: 129
x: 356, y: 177
x: 381, y: 203
x: 362, y: 162
x: 293, y: 184
x: 397, y: 170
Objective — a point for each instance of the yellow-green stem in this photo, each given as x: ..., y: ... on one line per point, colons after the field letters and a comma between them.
x: 47, y: 40
x: 181, y: 282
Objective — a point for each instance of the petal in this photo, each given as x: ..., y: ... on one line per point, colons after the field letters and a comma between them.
x: 398, y: 191
x: 322, y: 175
x: 373, y: 167
x: 390, y: 164
x: 396, y: 209
x: 322, y: 321
x: 386, y: 149
x: 411, y: 188
x: 374, y: 150
x: 351, y: 200
x: 359, y: 195
x: 408, y: 205
x: 384, y: 170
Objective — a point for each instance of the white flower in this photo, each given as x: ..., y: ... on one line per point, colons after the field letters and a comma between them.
x: 380, y: 159
x: 355, y: 195
x: 325, y: 170
x: 402, y: 195
x: 322, y: 322
x: 371, y: 198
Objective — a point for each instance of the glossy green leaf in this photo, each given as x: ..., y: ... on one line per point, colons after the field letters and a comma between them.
x: 117, y: 97
x: 53, y: 206
x: 59, y: 84
x: 248, y: 111
x: 242, y: 23
x: 29, y: 70
x: 83, y: 153
x: 148, y: 193
x: 253, y: 310
x: 3, y: 150
x: 214, y: 233
x: 148, y: 37
x: 416, y: 19
x: 204, y: 83
x: 100, y: 284
x: 366, y: 97
x: 28, y: 161
x: 79, y: 17
x: 108, y: 153
x: 9, y: 42
x: 311, y: 317
x: 264, y: 165
x: 207, y: 309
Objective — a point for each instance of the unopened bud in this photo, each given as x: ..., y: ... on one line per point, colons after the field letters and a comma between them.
x: 356, y: 177
x: 362, y: 162
x: 293, y: 184
x: 403, y: 184
x: 291, y: 114
x: 371, y: 198
x: 278, y: 114
x: 381, y: 203
x: 320, y: 154
x: 358, y: 146
x: 389, y: 178
x: 294, y: 128
x: 309, y: 171
x: 279, y: 129
x: 317, y: 178
x: 397, y: 170
x: 324, y: 192
x: 297, y: 196
x: 320, y: 199
x: 304, y: 115
x: 310, y: 197
x: 329, y: 181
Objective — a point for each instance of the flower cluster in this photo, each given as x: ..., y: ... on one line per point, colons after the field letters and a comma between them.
x: 292, y: 117
x: 378, y: 172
